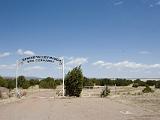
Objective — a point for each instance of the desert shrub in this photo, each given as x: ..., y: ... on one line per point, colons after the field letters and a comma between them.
x: 135, y: 85
x: 87, y: 82
x: 147, y: 89
x: 21, y: 80
x: 139, y: 82
x: 128, y: 93
x: 106, y: 81
x: 33, y: 82
x: 74, y: 82
x: 95, y: 81
x: 105, y: 92
x: 11, y: 84
x: 3, y: 82
x: 139, y: 93
x: 157, y: 84
x: 26, y: 85
x: 123, y: 82
x: 48, y: 83
x: 151, y: 82
x: 59, y: 81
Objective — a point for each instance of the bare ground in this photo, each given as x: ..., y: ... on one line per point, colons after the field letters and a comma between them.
x: 127, y: 104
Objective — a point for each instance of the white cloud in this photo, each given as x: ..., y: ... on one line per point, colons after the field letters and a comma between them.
x: 39, y: 68
x: 126, y: 64
x: 77, y: 61
x: 118, y: 3
x: 25, y: 53
x: 71, y: 62
x: 144, y: 52
x: 5, y: 54
x: 99, y: 63
x: 29, y: 53
x: 8, y: 67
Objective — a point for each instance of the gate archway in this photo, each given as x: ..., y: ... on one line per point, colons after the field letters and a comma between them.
x: 39, y: 59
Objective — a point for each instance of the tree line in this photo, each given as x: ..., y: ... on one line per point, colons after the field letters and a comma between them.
x: 51, y: 83
x: 119, y: 82
x: 48, y: 83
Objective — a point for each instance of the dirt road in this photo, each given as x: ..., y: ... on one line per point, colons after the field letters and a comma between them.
x: 43, y: 106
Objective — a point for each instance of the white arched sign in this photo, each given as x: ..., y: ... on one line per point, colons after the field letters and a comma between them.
x: 37, y: 59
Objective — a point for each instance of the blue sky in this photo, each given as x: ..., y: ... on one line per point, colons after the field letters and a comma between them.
x: 110, y: 38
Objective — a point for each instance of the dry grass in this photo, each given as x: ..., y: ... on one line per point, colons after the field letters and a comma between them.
x: 149, y: 102
x: 133, y: 97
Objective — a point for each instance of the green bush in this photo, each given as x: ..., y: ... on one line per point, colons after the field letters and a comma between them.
x: 26, y: 85
x: 33, y: 82
x: 123, y: 82
x: 105, y: 92
x: 87, y: 82
x: 59, y: 81
x: 23, y: 83
x: 74, y: 82
x: 3, y: 82
x: 11, y: 84
x: 135, y: 85
x: 151, y: 82
x: 157, y: 84
x: 147, y: 89
x: 48, y: 83
x: 140, y: 83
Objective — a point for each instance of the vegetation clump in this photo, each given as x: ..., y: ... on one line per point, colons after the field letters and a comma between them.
x: 48, y: 83
x: 23, y: 83
x: 157, y: 84
x: 138, y: 83
x: 74, y: 82
x: 151, y: 82
x: 105, y: 92
x: 88, y: 83
x: 147, y: 89
x: 135, y: 85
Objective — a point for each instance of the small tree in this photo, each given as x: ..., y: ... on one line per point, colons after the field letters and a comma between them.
x: 74, y: 82
x: 21, y: 81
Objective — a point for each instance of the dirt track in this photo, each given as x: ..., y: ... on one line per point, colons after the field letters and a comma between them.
x: 43, y: 106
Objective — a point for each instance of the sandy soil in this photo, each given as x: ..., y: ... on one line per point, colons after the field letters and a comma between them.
x: 133, y: 97
x: 126, y: 103
x: 150, y: 102
x: 44, y: 106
